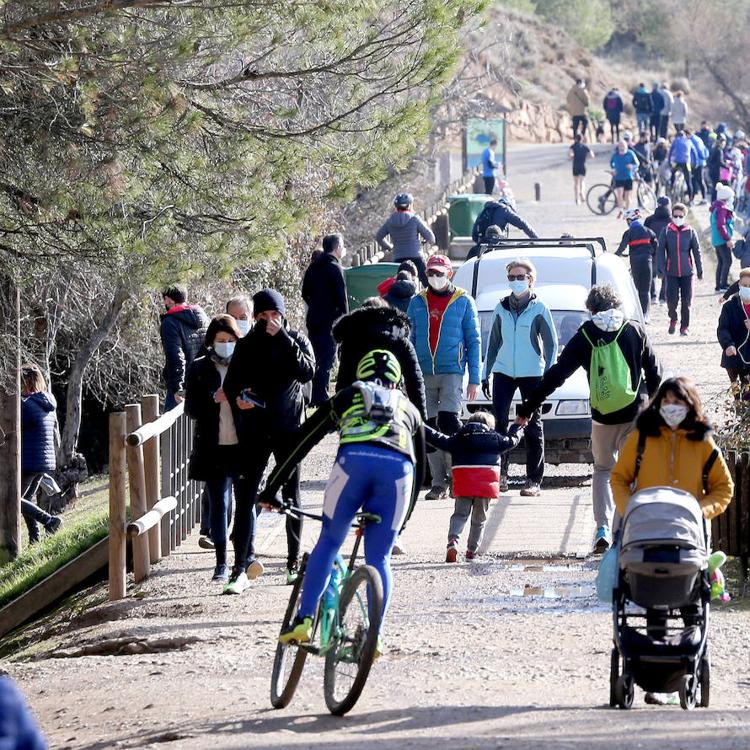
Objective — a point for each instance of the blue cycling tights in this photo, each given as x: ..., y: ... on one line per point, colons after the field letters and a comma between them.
x: 377, y: 480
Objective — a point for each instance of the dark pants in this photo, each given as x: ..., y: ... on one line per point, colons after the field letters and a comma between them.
x: 580, y: 121
x: 205, y: 529
x: 699, y: 186
x: 324, y: 346
x: 489, y: 184
x: 641, y: 269
x: 663, y: 290
x: 169, y: 402
x: 680, y: 289
x: 723, y: 264
x: 663, y: 126
x: 218, y: 491
x: 688, y: 179
x: 654, y: 126
x: 32, y: 514
x: 418, y: 261
x: 503, y: 388
x: 244, y: 521
x: 614, y: 130
x: 742, y: 378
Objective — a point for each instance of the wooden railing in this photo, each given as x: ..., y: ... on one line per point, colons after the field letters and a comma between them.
x: 730, y: 532
x: 435, y: 216
x: 148, y: 462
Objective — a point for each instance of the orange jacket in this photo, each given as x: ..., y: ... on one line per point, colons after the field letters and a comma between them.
x: 671, y: 460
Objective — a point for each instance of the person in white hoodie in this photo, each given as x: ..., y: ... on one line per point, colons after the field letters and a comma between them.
x: 666, y: 110
x: 679, y: 111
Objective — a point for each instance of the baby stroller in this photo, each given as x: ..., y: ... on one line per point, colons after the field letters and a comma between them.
x: 662, y: 570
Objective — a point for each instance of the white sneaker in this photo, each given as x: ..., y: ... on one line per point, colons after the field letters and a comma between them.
x: 237, y: 584
x: 398, y: 547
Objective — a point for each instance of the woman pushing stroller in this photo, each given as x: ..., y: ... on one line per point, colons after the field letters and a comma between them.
x: 666, y: 462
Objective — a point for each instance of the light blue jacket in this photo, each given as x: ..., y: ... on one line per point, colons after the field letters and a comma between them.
x: 489, y: 165
x: 524, y: 345
x: 458, y: 342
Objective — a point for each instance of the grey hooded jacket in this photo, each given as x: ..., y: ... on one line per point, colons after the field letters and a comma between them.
x: 404, y: 228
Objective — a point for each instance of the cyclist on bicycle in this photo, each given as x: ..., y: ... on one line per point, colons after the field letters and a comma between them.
x: 381, y: 436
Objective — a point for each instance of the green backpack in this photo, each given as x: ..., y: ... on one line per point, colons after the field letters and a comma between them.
x: 609, y: 376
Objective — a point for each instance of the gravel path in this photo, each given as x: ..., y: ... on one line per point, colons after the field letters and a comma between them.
x: 504, y: 652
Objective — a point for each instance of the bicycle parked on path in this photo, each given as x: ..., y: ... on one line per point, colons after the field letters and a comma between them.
x: 346, y: 627
x: 601, y: 199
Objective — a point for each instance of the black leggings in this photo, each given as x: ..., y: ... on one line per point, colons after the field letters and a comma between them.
x: 723, y: 264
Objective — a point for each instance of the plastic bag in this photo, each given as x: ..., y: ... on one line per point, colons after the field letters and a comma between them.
x: 606, y: 578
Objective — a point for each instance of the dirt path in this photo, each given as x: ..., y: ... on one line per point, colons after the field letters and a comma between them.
x: 499, y: 653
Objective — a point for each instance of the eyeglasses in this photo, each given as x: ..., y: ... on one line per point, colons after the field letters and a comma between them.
x: 517, y: 276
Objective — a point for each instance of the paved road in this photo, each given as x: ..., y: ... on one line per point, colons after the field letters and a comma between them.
x: 506, y: 652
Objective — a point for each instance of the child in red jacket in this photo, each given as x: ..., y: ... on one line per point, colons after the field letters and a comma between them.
x: 475, y: 452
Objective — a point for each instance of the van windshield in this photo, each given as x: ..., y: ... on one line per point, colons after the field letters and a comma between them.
x: 566, y: 322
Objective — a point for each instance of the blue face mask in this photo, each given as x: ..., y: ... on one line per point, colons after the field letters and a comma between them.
x: 518, y: 287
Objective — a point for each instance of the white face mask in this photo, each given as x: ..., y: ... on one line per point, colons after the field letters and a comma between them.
x: 609, y: 320
x: 224, y: 349
x: 745, y: 293
x: 673, y: 414
x: 244, y: 326
x: 438, y: 282
x: 678, y: 220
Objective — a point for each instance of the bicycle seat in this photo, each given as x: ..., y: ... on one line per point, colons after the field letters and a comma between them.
x: 364, y: 518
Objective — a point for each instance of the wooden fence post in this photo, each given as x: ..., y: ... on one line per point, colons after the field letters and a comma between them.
x: 137, y: 479
x: 117, y: 506
x: 153, y: 475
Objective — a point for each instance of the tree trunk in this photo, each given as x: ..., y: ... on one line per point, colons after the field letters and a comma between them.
x: 74, y: 395
x: 10, y: 425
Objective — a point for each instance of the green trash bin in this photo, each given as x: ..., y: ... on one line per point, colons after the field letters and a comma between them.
x: 362, y: 281
x: 463, y: 210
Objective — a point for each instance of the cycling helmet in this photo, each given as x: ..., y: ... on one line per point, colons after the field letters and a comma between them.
x: 403, y: 200
x: 381, y: 366
x: 632, y: 213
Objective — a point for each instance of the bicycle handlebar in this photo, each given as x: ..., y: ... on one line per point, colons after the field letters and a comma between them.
x: 363, y: 518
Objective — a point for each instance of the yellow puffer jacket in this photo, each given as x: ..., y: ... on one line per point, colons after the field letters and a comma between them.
x: 671, y: 460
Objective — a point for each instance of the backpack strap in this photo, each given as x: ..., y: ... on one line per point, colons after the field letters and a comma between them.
x: 707, y: 468
x: 639, y: 456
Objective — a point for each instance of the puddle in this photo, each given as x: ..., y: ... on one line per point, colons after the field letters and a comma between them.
x: 554, y: 592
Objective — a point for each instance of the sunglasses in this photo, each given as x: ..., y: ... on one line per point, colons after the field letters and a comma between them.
x: 517, y: 276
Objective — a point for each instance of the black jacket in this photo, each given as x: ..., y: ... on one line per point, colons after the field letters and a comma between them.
x: 202, y: 382
x: 501, y: 215
x: 400, y: 293
x: 183, y: 330
x: 678, y: 250
x: 658, y: 220
x: 638, y: 352
x: 642, y: 102
x: 38, y: 424
x: 379, y: 328
x: 324, y: 291
x: 732, y: 332
x: 639, y: 240
x: 274, y: 368
x: 715, y: 162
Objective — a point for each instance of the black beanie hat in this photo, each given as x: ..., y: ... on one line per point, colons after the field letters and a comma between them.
x: 268, y: 299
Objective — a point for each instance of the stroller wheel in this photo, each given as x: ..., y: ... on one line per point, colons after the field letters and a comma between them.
x: 687, y: 692
x: 614, y: 673
x: 624, y: 691
x: 705, y: 682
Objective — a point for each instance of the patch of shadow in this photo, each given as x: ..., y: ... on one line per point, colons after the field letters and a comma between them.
x: 126, y: 647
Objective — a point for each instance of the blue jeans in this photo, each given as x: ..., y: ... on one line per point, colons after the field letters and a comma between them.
x: 373, y: 478
x: 217, y: 492
x: 31, y: 512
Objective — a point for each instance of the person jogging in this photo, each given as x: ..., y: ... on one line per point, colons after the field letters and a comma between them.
x: 381, y: 442
x: 579, y: 153
x: 678, y: 259
x: 622, y: 369
x: 640, y: 242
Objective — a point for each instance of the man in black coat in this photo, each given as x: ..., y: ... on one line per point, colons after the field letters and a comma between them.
x: 656, y: 222
x: 609, y: 427
x: 183, y: 329
x: 264, y: 386
x: 324, y: 291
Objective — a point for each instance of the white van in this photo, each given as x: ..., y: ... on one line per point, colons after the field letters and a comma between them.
x: 566, y: 271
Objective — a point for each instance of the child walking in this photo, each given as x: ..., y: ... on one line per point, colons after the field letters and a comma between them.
x: 475, y: 452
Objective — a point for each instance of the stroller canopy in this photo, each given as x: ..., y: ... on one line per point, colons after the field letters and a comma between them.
x: 664, y: 515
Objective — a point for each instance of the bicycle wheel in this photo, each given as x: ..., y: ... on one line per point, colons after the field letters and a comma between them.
x: 289, y: 659
x: 349, y: 660
x: 646, y: 197
x: 601, y: 199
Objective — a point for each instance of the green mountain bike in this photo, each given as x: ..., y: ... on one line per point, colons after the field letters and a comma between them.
x: 345, y: 630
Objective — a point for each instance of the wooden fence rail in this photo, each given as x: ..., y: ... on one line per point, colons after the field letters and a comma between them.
x: 730, y: 532
x: 148, y: 460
